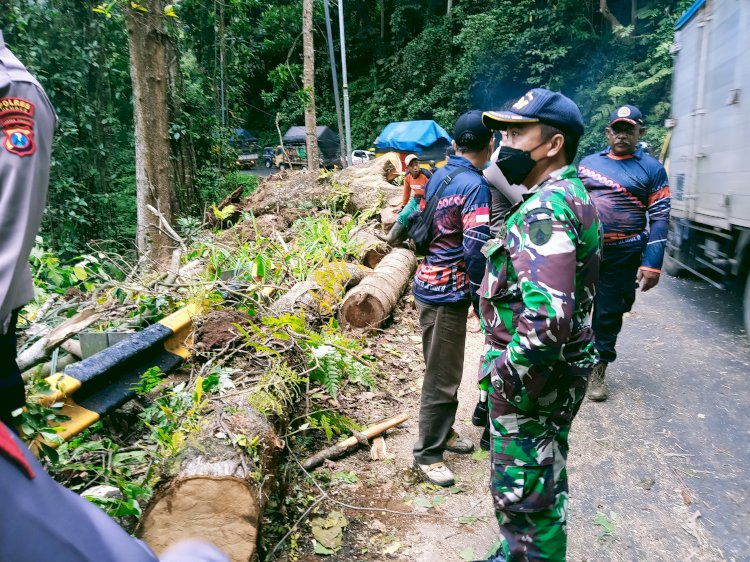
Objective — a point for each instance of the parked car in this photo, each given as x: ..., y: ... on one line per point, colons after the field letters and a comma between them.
x: 362, y: 156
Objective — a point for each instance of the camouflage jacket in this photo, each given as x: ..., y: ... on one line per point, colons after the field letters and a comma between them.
x: 538, y: 289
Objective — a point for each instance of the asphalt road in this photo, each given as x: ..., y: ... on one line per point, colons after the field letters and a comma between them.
x: 679, y: 411
x: 658, y: 473
x: 260, y: 171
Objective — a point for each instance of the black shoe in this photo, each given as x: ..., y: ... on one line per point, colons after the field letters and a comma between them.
x: 484, y: 442
x: 481, y: 414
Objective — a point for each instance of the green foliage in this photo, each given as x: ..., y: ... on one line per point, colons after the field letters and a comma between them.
x: 83, y: 272
x: 39, y: 423
x: 277, y: 389
x: 219, y: 380
x: 150, y: 379
x: 334, y: 368
x: 174, y: 415
x: 332, y: 423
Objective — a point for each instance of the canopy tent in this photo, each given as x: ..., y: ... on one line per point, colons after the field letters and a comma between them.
x: 426, y: 139
x: 328, y: 141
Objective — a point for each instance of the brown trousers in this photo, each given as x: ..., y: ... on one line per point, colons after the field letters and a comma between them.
x: 443, y: 343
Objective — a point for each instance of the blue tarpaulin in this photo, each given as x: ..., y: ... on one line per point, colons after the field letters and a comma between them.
x: 412, y: 136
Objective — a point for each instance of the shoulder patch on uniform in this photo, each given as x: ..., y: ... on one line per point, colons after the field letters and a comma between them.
x: 17, y: 124
x: 539, y: 224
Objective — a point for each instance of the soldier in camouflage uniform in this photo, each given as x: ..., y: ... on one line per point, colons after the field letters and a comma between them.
x: 535, y: 302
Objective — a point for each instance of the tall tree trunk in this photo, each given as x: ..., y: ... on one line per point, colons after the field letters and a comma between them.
x: 308, y: 81
x: 183, y: 152
x: 154, y: 186
x: 449, y: 8
x: 382, y: 20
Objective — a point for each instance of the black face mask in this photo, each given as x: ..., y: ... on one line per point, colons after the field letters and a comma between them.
x: 516, y: 164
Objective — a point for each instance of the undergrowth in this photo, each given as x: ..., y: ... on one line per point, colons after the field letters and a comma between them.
x: 128, y: 451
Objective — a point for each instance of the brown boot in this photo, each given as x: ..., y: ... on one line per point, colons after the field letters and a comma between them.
x: 597, y: 387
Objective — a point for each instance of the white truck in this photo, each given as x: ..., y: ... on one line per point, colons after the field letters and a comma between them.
x: 707, y: 159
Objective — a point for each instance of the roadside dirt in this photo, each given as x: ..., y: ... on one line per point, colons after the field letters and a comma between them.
x: 631, y: 495
x: 218, y: 329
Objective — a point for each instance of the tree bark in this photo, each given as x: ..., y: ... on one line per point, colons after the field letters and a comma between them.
x: 154, y: 182
x: 308, y: 81
x: 371, y: 302
x: 183, y: 152
x: 369, y: 249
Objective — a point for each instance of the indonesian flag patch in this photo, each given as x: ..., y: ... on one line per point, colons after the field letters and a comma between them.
x: 17, y: 124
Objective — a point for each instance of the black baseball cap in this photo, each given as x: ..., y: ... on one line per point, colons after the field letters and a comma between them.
x: 628, y: 113
x: 540, y: 106
x: 470, y: 131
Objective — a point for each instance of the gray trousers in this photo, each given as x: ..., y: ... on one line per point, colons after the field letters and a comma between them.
x: 443, y: 343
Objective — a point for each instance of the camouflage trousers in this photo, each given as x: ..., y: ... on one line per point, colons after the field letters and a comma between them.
x: 529, y: 482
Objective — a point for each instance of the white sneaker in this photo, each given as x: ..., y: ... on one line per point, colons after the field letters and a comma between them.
x: 436, y: 473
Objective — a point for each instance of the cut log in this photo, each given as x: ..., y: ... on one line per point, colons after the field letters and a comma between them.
x: 320, y: 295
x: 215, y: 491
x: 370, y: 184
x: 371, y: 302
x: 368, y: 248
x: 389, y: 213
x: 388, y: 216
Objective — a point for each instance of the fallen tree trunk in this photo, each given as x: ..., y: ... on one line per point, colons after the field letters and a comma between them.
x: 368, y: 186
x: 369, y: 249
x: 389, y: 213
x: 319, y: 296
x: 371, y: 302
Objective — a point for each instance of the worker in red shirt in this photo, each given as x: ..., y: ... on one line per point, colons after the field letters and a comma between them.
x: 415, y: 182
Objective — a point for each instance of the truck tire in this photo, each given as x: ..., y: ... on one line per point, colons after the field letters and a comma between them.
x: 268, y: 164
x: 282, y: 166
x: 746, y: 305
x: 671, y: 267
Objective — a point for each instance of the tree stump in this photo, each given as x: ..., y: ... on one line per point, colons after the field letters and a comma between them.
x: 371, y: 302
